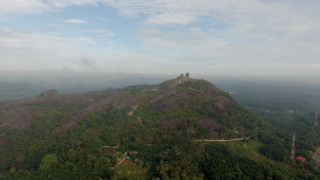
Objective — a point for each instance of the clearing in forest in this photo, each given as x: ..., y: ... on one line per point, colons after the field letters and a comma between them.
x: 129, y: 168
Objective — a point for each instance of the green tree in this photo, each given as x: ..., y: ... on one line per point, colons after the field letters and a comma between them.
x: 48, y: 161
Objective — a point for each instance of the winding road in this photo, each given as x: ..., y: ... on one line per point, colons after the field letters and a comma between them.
x: 222, y: 140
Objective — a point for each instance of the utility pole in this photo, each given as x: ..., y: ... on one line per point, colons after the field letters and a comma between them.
x: 293, y: 146
x: 316, y: 123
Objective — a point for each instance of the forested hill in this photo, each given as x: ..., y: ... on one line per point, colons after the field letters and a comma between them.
x: 143, y: 131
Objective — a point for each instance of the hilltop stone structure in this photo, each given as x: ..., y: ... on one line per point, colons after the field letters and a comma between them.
x: 183, y: 78
x: 180, y: 80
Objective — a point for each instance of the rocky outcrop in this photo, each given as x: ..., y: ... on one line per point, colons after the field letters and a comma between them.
x: 4, y: 141
x: 210, y: 124
x: 20, y: 121
x: 49, y: 93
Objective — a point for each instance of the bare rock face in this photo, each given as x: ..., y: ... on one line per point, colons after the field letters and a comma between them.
x: 67, y: 125
x: 223, y: 104
x: 170, y: 123
x: 210, y: 124
x: 20, y: 121
x: 49, y: 93
x: 4, y: 141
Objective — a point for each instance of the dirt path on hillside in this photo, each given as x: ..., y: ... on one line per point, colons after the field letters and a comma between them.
x: 134, y: 108
x: 316, y: 156
x: 246, y: 147
x: 254, y: 153
x: 139, y: 120
x: 122, y: 159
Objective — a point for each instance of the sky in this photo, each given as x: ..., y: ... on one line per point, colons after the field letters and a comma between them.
x: 227, y: 38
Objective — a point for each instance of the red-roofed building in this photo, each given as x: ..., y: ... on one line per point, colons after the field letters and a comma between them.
x: 301, y: 158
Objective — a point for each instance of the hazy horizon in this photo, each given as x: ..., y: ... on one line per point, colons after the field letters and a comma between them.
x: 31, y: 85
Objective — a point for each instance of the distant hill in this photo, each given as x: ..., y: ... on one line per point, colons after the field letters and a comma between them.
x: 166, y: 131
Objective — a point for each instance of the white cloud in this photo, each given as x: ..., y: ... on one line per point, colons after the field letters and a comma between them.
x: 190, y: 38
x: 167, y: 19
x: 35, y: 50
x: 268, y: 14
x: 21, y: 50
x: 102, y: 18
x: 100, y: 32
x: 23, y: 7
x: 200, y: 34
x: 75, y: 21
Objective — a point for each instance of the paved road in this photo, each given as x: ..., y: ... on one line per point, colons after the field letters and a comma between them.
x: 222, y: 140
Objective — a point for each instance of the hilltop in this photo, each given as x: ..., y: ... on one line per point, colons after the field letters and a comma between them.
x: 183, y: 94
x: 141, y: 131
